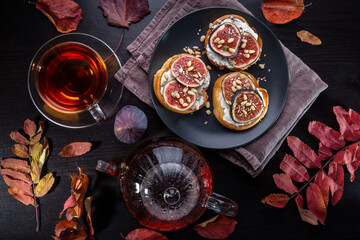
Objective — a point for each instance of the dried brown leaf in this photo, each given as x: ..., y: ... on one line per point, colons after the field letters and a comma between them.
x: 88, y: 201
x: 305, y: 214
x: 16, y: 165
x: 63, y: 225
x: 16, y: 175
x: 29, y: 127
x: 75, y: 149
x: 308, y: 37
x: 64, y: 14
x: 219, y: 227
x: 276, y: 200
x: 19, y: 138
x: 122, y: 12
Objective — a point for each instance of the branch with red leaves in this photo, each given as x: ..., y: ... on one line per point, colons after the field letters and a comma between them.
x: 320, y: 184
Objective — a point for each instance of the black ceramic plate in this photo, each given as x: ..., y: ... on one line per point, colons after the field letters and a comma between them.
x: 191, y: 127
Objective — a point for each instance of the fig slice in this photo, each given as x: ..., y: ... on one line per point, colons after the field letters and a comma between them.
x: 249, y: 52
x: 189, y: 71
x: 246, y: 106
x: 225, y: 40
x: 130, y: 124
x: 235, y: 82
x: 178, y: 96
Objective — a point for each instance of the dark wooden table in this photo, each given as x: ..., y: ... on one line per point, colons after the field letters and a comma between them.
x: 24, y: 29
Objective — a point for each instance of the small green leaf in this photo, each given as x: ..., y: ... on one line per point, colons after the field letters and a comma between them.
x: 225, y: 48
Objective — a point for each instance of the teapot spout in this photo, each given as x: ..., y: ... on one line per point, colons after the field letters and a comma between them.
x: 111, y: 168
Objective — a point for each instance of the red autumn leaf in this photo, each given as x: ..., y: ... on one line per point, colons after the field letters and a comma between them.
x: 19, y: 195
x: 355, y: 117
x: 305, y: 214
x: 294, y: 169
x: 36, y: 138
x: 122, y: 12
x: 349, y: 129
x: 78, y: 234
x: 63, y: 225
x: 145, y: 234
x: 349, y: 157
x: 64, y: 14
x: 282, y: 11
x: 16, y: 165
x: 29, y: 127
x: 69, y: 203
x: 219, y: 227
x: 276, y: 200
x: 303, y: 152
x: 284, y: 182
x: 336, y: 181
x: 19, y: 138
x: 18, y: 184
x: 16, y: 175
x: 75, y: 149
x: 316, y: 202
x: 20, y: 150
x: 322, y: 181
x: 353, y: 153
x: 328, y: 136
x: 308, y: 37
x: 324, y: 152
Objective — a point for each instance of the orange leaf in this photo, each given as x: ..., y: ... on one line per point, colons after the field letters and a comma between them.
x: 75, y: 149
x: 219, y: 227
x: 316, y: 202
x: 308, y: 37
x: 16, y: 184
x: 63, y: 225
x: 284, y: 182
x: 20, y: 150
x: 282, y: 11
x: 64, y: 14
x: 19, y: 195
x: 276, y: 200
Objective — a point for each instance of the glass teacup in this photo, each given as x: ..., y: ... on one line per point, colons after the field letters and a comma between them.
x: 167, y: 185
x: 71, y: 80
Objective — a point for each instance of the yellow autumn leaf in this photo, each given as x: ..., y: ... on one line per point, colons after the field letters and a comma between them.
x: 88, y: 201
x: 44, y: 185
x: 308, y: 37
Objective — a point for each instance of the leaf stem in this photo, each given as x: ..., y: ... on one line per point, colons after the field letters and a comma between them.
x: 117, y: 47
x: 321, y: 169
x: 36, y: 205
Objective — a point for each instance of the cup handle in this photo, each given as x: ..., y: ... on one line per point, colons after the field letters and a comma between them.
x: 222, y: 205
x: 97, y: 113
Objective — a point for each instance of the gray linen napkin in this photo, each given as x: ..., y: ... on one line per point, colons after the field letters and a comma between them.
x: 304, y: 87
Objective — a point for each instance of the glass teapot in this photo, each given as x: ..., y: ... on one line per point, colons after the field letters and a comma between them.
x: 167, y: 184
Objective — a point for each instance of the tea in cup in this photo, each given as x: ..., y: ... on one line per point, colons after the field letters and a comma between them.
x: 70, y: 82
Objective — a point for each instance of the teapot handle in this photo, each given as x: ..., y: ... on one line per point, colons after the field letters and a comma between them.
x: 116, y: 170
x: 222, y: 205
